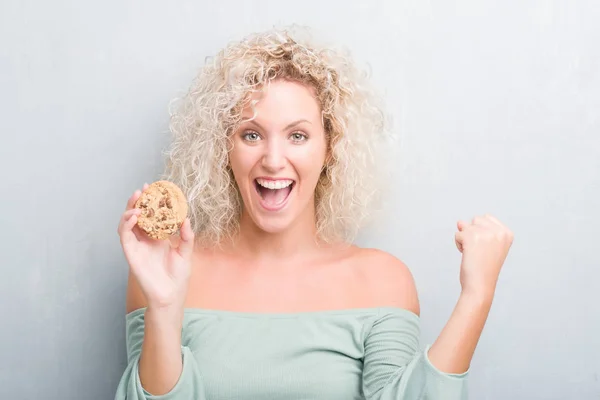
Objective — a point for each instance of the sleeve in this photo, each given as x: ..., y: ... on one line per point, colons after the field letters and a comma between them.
x: 189, y: 385
x: 395, y: 367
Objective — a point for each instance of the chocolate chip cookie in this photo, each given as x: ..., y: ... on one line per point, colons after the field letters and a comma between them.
x: 164, y: 208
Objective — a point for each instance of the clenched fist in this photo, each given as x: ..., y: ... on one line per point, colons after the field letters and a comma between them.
x: 484, y: 244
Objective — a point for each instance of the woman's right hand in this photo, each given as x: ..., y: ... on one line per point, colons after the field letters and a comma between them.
x: 161, y: 267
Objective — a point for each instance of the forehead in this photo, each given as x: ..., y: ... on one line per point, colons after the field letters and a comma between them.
x: 282, y: 101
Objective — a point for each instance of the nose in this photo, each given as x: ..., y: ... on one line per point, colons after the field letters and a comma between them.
x: 273, y: 158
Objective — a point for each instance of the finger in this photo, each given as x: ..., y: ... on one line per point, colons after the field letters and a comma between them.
x: 458, y: 240
x: 134, y: 197
x: 127, y: 235
x: 482, y: 221
x: 126, y: 216
x: 128, y: 223
x: 139, y: 233
x: 461, y: 225
x: 494, y: 220
x: 145, y: 186
x: 186, y: 244
x: 477, y: 220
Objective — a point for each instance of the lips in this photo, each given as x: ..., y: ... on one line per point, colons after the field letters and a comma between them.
x: 274, y: 193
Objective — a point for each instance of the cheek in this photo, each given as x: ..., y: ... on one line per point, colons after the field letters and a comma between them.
x: 310, y: 165
x: 239, y: 167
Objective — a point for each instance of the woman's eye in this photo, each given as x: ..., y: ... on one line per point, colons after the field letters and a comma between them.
x: 251, y: 136
x: 298, y: 137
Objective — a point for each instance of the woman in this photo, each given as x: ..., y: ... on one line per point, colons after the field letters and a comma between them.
x: 262, y: 295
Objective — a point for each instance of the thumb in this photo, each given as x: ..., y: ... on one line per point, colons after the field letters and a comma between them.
x: 186, y: 244
x: 458, y: 240
x: 461, y: 225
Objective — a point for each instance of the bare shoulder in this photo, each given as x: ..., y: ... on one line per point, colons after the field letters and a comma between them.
x: 387, y: 280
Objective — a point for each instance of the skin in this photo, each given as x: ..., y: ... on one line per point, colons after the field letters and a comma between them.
x: 276, y: 265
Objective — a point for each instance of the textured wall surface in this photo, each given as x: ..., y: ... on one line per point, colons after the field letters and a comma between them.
x: 497, y: 105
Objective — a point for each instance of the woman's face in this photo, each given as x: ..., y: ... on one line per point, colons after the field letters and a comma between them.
x: 278, y: 157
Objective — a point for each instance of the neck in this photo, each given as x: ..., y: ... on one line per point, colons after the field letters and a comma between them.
x: 298, y: 240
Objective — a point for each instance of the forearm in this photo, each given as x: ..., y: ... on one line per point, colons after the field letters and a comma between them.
x: 453, y: 350
x: 160, y: 359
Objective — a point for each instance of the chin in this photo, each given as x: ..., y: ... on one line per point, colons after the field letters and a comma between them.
x: 272, y: 225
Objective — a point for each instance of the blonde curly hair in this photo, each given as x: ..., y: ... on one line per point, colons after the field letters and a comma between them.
x: 201, y: 125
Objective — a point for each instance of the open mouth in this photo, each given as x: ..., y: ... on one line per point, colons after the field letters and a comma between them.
x: 274, y: 193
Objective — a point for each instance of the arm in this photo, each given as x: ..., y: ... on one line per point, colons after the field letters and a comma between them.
x: 395, y: 367
x: 484, y: 244
x: 160, y: 364
x: 188, y: 384
x: 159, y: 367
x: 453, y: 350
x: 161, y: 358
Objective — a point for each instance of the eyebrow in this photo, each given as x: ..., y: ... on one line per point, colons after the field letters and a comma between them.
x: 288, y: 126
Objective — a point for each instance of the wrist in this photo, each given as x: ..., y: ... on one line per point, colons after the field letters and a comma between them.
x: 479, y: 290
x: 477, y: 297
x: 164, y: 318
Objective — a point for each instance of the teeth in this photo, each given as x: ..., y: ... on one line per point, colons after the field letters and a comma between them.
x: 279, y: 184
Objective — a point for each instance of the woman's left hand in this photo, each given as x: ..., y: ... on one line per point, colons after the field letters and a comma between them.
x: 484, y: 244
